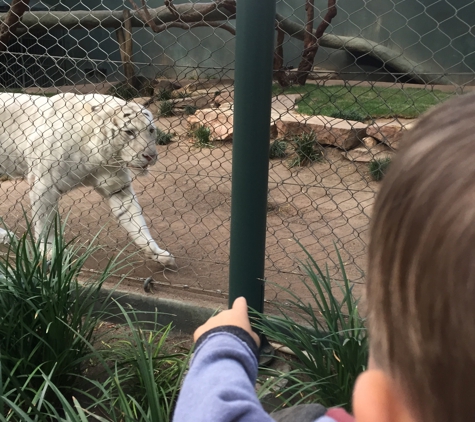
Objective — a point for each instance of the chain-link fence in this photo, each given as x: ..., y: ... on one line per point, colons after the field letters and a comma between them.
x: 349, y: 79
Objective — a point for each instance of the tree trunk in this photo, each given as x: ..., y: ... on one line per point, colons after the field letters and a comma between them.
x: 11, y: 21
x: 279, y: 71
x: 312, y: 41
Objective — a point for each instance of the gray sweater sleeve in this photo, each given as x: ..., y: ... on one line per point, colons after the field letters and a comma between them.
x: 219, y: 386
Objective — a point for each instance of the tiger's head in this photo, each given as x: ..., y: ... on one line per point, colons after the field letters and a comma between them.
x: 131, y: 131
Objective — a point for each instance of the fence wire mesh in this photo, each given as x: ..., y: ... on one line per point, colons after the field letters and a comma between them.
x: 349, y: 79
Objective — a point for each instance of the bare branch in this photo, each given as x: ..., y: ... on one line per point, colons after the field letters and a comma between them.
x: 145, y: 15
x: 279, y: 71
x: 188, y: 26
x: 312, y: 41
x: 171, y: 7
x: 11, y: 21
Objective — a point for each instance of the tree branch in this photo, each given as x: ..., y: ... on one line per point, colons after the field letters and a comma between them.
x: 312, y: 41
x: 11, y: 21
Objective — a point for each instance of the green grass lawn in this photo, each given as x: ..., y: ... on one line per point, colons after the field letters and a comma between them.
x: 363, y: 103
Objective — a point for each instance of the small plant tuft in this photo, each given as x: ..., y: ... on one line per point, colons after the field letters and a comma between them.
x: 327, y: 335
x: 163, y: 138
x: 164, y: 95
x: 278, y: 149
x: 202, y: 137
x: 189, y: 109
x: 306, y: 149
x: 166, y: 109
x: 379, y: 167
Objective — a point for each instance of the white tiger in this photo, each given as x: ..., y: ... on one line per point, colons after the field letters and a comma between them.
x: 70, y: 140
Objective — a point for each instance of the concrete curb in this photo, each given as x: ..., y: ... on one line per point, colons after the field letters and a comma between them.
x: 185, y: 315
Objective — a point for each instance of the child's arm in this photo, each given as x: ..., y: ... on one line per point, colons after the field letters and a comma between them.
x: 219, y: 386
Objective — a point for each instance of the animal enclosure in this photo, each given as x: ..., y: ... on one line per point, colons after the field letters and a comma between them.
x: 177, y: 61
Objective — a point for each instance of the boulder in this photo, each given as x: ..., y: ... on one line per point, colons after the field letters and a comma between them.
x: 365, y: 155
x: 389, y: 131
x: 224, y: 97
x: 369, y: 142
x: 344, y: 134
x: 285, y: 102
x: 220, y: 122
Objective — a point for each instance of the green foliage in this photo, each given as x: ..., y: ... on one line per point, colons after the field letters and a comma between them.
x: 306, y: 149
x: 46, y: 316
x: 202, y: 137
x: 146, y: 377
x: 351, y: 114
x: 379, y: 167
x: 376, y: 102
x: 163, y: 138
x: 164, y: 95
x: 190, y: 109
x: 183, y: 94
x: 166, y: 108
x: 327, y: 335
x: 278, y: 149
x: 48, y: 337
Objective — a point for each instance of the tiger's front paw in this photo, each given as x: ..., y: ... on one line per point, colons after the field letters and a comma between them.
x: 166, y: 259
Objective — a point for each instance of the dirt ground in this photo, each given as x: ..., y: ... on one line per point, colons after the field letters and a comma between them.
x: 186, y: 201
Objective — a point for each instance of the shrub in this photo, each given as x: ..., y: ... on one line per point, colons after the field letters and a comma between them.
x: 164, y: 95
x: 48, y: 338
x: 306, y: 149
x: 327, y: 336
x: 46, y: 317
x: 166, y: 108
x: 202, y: 137
x: 278, y: 149
x: 379, y: 167
x: 190, y: 109
x: 163, y: 138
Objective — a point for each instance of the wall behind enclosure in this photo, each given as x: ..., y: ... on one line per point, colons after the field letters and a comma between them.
x: 436, y: 34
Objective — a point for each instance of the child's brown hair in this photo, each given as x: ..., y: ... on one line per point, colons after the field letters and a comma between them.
x: 421, y: 269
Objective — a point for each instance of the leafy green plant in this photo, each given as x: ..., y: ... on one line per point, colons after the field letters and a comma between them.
x: 163, y: 138
x: 327, y: 335
x: 46, y: 316
x: 306, y: 149
x: 379, y: 167
x: 190, y: 109
x: 278, y: 149
x: 166, y: 108
x: 202, y: 137
x: 146, y: 376
x: 164, y: 95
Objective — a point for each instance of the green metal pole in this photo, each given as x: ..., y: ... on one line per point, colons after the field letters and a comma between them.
x: 252, y: 109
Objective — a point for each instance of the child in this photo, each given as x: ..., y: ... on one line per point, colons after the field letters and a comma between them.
x: 420, y: 296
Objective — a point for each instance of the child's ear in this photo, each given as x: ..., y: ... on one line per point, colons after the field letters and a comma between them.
x: 376, y: 399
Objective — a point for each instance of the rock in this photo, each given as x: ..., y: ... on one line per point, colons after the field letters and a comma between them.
x: 365, y: 155
x: 160, y: 85
x: 142, y: 100
x: 369, y: 142
x: 389, y: 131
x: 202, y: 101
x: 225, y: 97
x: 285, y: 102
x: 320, y: 74
x: 344, y: 134
x: 207, y: 86
x: 219, y: 121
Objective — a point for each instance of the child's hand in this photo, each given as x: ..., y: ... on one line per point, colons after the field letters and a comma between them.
x: 236, y: 316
